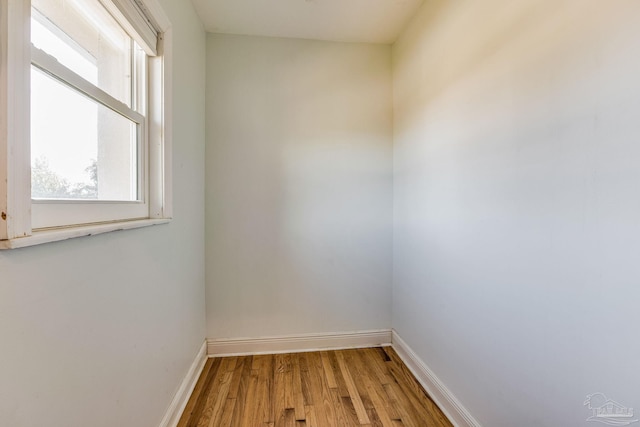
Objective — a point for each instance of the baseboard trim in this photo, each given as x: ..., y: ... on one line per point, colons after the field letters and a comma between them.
x: 441, y: 395
x: 179, y: 402
x: 298, y: 343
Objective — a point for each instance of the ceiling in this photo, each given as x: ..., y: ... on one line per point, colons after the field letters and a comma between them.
x: 369, y: 21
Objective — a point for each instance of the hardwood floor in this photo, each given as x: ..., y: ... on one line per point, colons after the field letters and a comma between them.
x: 370, y: 387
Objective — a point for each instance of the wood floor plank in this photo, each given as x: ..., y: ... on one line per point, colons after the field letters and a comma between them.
x: 349, y: 411
x: 227, y: 412
x: 417, y: 398
x: 378, y: 403
x: 377, y: 372
x: 265, y: 391
x: 420, y: 395
x: 248, y: 416
x: 343, y: 415
x: 304, y: 375
x: 288, y: 382
x: 363, y: 418
x: 376, y: 358
x: 213, y: 392
x: 344, y: 388
x: 324, y: 411
x: 201, y: 398
x: 312, y: 421
x: 408, y: 415
x: 239, y: 407
x: 298, y: 396
x: 242, y: 368
x: 358, y: 373
x: 197, y: 391
x: 328, y: 370
x: 279, y: 385
x: 221, y: 399
x: 415, y: 405
x: 289, y: 418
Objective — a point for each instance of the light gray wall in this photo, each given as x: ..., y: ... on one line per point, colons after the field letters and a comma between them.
x: 298, y: 204
x: 517, y: 199
x: 100, y: 331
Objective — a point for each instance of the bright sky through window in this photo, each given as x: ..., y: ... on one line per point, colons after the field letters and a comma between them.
x: 72, y: 123
x: 81, y: 148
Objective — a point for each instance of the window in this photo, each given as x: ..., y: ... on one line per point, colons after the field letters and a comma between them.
x: 83, y: 116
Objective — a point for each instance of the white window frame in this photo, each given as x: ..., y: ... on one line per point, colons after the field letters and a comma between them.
x: 15, y: 161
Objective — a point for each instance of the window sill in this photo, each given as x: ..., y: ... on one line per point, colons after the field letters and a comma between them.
x: 56, y: 235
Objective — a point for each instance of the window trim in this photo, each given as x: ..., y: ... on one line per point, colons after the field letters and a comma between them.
x: 60, y: 213
x: 50, y: 65
x: 15, y: 161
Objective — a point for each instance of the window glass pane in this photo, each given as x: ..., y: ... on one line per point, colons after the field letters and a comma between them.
x: 80, y: 149
x: 85, y: 38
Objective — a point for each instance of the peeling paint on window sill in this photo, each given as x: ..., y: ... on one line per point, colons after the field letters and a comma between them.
x: 40, y: 237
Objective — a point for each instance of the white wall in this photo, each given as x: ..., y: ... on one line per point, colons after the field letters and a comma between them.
x: 100, y: 331
x: 298, y: 186
x: 517, y: 203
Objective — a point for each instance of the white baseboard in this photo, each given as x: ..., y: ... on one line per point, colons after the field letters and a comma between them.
x: 446, y: 401
x: 298, y: 343
x: 179, y: 402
